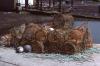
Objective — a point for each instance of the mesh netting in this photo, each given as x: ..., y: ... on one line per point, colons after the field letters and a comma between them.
x: 85, y: 56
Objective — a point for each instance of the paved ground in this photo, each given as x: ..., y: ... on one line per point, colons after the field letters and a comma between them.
x: 8, y: 57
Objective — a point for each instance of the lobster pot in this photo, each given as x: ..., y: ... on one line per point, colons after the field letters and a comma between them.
x: 58, y: 21
x: 29, y: 33
x: 52, y: 47
x: 55, y: 36
x: 54, y: 42
x: 89, y: 43
x: 36, y: 47
x: 63, y: 21
x: 89, y: 46
x: 40, y: 35
x: 8, y: 5
x: 69, y: 48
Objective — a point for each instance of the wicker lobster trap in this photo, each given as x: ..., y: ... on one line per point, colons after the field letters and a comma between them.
x: 58, y: 36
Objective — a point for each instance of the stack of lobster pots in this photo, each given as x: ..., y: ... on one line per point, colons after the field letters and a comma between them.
x: 58, y: 36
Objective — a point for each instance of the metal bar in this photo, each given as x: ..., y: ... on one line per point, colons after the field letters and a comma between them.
x: 53, y: 3
x: 37, y: 4
x: 72, y: 3
x: 49, y: 3
x: 60, y: 5
x: 26, y: 3
x: 41, y: 5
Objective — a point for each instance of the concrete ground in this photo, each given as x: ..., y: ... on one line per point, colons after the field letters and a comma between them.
x: 8, y: 57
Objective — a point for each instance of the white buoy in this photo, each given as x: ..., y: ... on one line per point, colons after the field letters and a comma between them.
x: 51, y: 29
x: 20, y: 49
